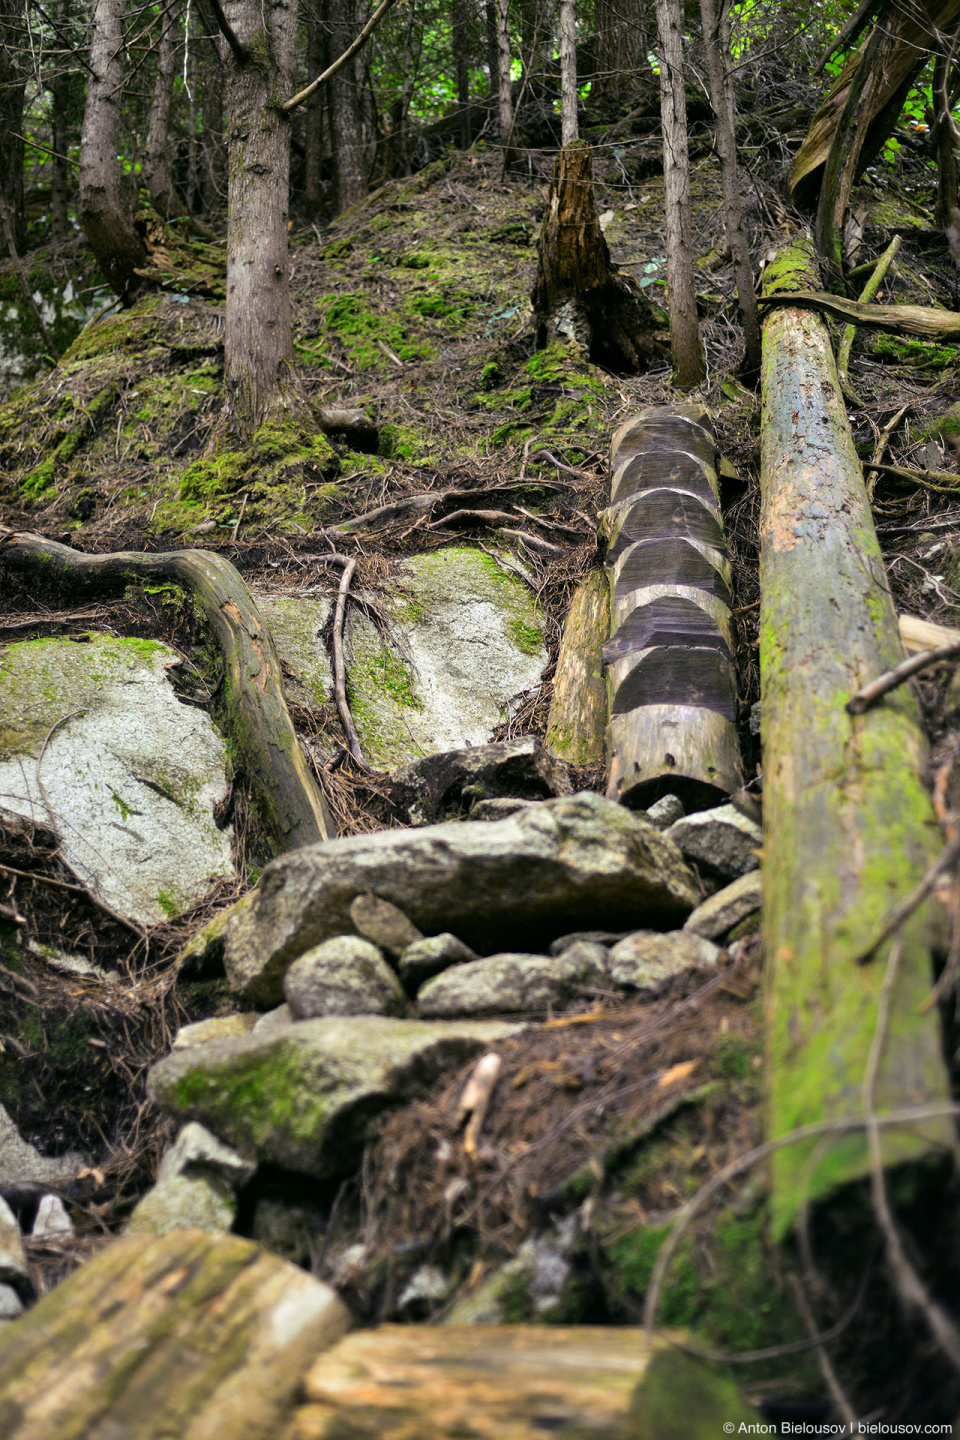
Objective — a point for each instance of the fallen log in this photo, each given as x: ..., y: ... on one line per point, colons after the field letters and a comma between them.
x: 251, y: 708
x: 578, y: 706
x: 670, y: 672
x: 929, y: 324
x: 848, y: 826
x: 187, y: 1334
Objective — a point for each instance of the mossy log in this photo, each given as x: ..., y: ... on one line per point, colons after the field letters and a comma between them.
x: 513, y: 1382
x: 251, y: 706
x: 580, y: 294
x: 578, y: 706
x: 670, y: 672
x: 848, y: 826
x: 915, y: 32
x: 186, y: 1334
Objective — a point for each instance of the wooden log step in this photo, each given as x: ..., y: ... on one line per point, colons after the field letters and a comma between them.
x: 674, y: 675
x: 656, y: 514
x: 187, y: 1334
x: 670, y: 670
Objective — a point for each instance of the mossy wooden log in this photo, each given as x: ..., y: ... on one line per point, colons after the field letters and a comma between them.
x: 670, y: 672
x: 250, y: 708
x: 578, y: 707
x: 848, y: 826
x: 193, y: 1335
x: 513, y: 1382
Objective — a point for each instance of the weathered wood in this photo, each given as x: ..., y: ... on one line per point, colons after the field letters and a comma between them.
x: 578, y: 706
x: 670, y: 673
x: 579, y: 293
x: 940, y: 325
x: 251, y: 707
x: 193, y: 1335
x: 512, y: 1382
x: 848, y: 825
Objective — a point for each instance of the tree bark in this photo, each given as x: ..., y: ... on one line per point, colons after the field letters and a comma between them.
x: 670, y: 670
x: 188, y: 1334
x: 313, y: 122
x: 345, y: 114
x: 213, y: 151
x: 914, y: 32
x: 107, y: 197
x: 689, y: 370
x: 252, y: 709
x: 156, y: 166
x: 848, y: 825
x: 579, y: 294
x: 59, y: 141
x: 721, y: 98
x: 461, y: 61
x: 568, y: 72
x: 12, y: 78
x: 259, y: 379
x: 504, y: 81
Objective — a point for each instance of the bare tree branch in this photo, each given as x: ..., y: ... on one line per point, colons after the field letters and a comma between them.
x: 344, y: 59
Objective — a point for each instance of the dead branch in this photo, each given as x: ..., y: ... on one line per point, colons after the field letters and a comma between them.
x: 340, y: 669
x: 894, y: 678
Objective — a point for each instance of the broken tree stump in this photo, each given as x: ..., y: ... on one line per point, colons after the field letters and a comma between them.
x: 186, y: 1334
x: 670, y: 671
x: 848, y: 825
x: 580, y: 294
x: 252, y: 710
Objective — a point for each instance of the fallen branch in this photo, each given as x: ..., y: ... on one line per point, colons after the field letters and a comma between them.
x: 340, y: 669
x: 920, y: 320
x: 905, y: 907
x: 533, y: 542
x: 892, y: 679
x: 926, y: 478
x: 252, y: 709
x: 867, y: 294
x: 486, y: 517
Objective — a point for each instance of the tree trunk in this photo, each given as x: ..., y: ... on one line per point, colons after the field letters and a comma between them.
x: 252, y: 709
x: 12, y: 77
x: 107, y: 197
x: 848, y: 825
x: 259, y: 379
x: 670, y: 670
x: 59, y: 141
x: 345, y: 114
x: 579, y: 294
x: 313, y: 122
x: 213, y: 169
x: 504, y: 80
x: 578, y: 705
x: 721, y: 98
x: 568, y: 71
x: 461, y: 59
x: 622, y: 44
x: 156, y: 166
x: 186, y: 1334
x: 688, y: 363
x: 914, y: 32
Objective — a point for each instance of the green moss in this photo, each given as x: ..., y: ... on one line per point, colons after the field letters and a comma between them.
x: 918, y: 354
x: 402, y: 442
x: 168, y: 904
x: 366, y: 335
x: 683, y: 1398
x: 526, y: 637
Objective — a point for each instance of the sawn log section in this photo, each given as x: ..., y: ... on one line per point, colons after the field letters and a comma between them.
x: 670, y: 672
x: 251, y: 707
x: 848, y: 826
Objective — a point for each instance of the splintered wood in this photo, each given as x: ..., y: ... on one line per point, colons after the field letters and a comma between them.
x: 670, y: 670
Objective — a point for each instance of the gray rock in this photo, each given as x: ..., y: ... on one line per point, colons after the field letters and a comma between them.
x: 666, y: 811
x: 218, y: 1027
x: 430, y: 956
x: 202, y: 957
x: 52, y: 1222
x: 383, y: 924
x: 343, y: 976
x: 10, y: 1304
x: 22, y: 1164
x: 130, y: 774
x: 447, y: 783
x: 195, y: 1188
x: 722, y: 841
x: 646, y: 962
x: 14, y: 1270
x: 499, y: 808
x: 515, y: 984
x: 536, y: 1277
x: 589, y: 937
x: 274, y: 1019
x: 427, y: 1288
x: 295, y: 623
x: 301, y: 1095
x: 722, y: 911
x: 568, y: 863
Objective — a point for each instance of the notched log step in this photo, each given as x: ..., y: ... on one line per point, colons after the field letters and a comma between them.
x: 669, y: 620
x: 657, y: 514
x: 652, y: 469
x: 683, y: 562
x: 674, y: 675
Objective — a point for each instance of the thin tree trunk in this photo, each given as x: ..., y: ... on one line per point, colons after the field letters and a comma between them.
x: 406, y: 92
x: 492, y: 47
x: 688, y: 362
x: 259, y: 379
x: 568, y: 72
x: 12, y: 50
x: 345, y: 121
x: 721, y: 98
x: 106, y: 197
x: 504, y: 81
x: 461, y: 59
x: 313, y: 123
x: 156, y: 166
x: 59, y: 141
x: 848, y: 825
x: 213, y: 176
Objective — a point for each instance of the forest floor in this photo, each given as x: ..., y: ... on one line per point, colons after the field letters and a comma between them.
x: 415, y: 307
